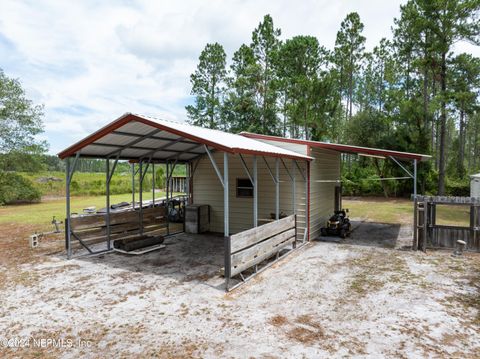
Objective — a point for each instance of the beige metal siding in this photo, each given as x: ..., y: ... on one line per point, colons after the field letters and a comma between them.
x: 207, y: 189
x: 325, y: 167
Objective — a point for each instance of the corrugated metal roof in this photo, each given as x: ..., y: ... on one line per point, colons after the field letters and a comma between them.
x: 134, y: 136
x: 342, y: 148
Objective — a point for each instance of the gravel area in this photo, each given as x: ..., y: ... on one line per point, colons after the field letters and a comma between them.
x: 366, y: 296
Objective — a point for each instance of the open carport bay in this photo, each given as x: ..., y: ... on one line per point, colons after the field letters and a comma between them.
x: 325, y: 299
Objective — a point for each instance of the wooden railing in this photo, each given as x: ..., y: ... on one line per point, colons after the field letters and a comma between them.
x: 93, y: 228
x: 249, y: 248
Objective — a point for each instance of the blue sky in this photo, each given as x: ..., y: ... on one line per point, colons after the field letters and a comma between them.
x: 89, y: 62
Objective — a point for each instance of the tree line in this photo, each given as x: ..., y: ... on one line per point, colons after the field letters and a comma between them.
x: 411, y: 92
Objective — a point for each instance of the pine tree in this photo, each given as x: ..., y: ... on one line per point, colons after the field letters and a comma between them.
x: 349, y: 52
x: 449, y: 21
x: 208, y: 83
x: 240, y: 108
x: 265, y: 44
x: 464, y: 82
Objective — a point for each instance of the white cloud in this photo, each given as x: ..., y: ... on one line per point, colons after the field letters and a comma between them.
x: 90, y: 61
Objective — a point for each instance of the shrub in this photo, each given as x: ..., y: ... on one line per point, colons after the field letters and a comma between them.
x: 457, y: 188
x: 16, y: 189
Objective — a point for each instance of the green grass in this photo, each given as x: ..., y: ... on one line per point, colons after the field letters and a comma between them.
x: 381, y: 210
x: 453, y: 215
x: 401, y: 211
x: 377, y: 210
x: 41, y: 213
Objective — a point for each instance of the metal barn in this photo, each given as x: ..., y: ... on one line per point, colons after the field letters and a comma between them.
x: 266, y: 195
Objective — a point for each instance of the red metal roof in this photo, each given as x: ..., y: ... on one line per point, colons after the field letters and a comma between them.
x: 342, y: 148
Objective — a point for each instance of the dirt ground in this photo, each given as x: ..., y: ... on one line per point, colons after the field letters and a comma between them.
x: 367, y: 296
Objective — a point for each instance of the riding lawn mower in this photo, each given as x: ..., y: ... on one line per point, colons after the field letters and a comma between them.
x: 337, y: 225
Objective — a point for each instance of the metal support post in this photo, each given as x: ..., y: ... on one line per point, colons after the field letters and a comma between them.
x: 133, y: 185
x: 140, y: 198
x: 226, y: 206
x: 107, y: 170
x: 227, y: 262
x: 307, y: 202
x: 167, y: 199
x: 69, y: 174
x: 294, y: 188
x: 109, y: 179
x: 67, y: 222
x: 187, y: 181
x: 153, y: 184
x: 277, y: 188
x: 255, y: 192
x: 415, y: 177
x: 215, y: 167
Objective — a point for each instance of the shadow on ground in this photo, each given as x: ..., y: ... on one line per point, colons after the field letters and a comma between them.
x: 185, y: 258
x: 375, y: 234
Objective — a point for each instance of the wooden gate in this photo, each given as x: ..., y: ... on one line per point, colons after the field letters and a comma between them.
x: 428, y: 233
x: 245, y: 251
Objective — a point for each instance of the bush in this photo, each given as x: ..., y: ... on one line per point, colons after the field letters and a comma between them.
x: 16, y: 189
x: 457, y: 188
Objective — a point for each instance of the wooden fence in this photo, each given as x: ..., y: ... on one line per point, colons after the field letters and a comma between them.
x: 247, y: 249
x: 93, y: 228
x: 428, y: 233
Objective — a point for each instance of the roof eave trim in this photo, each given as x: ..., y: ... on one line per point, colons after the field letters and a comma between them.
x: 346, y: 148
x: 129, y: 117
x: 123, y: 120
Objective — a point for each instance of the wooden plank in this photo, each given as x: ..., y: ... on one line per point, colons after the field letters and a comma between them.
x: 261, y: 258
x: 252, y: 236
x: 442, y: 226
x: 267, y: 246
x: 122, y: 227
x: 127, y: 235
x: 102, y: 232
x: 99, y: 220
x: 449, y: 200
x: 420, y: 225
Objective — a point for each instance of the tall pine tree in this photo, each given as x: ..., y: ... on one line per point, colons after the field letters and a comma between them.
x: 208, y: 83
x: 265, y: 45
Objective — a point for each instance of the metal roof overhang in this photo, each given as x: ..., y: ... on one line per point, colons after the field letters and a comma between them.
x: 343, y: 148
x: 136, y: 137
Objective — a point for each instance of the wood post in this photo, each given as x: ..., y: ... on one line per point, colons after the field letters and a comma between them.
x: 425, y: 226
x: 415, y: 224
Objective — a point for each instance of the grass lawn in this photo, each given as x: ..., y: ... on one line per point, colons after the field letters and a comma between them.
x: 386, y: 210
x: 41, y: 213
x: 380, y: 209
x: 373, y: 209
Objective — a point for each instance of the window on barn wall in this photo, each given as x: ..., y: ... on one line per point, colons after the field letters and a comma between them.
x: 244, y: 188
